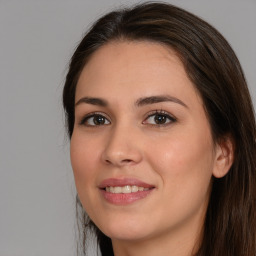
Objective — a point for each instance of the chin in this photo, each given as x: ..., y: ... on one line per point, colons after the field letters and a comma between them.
x: 127, y: 230
x: 126, y: 235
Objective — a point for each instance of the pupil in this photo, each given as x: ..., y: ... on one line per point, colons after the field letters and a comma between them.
x: 99, y: 120
x: 160, y: 119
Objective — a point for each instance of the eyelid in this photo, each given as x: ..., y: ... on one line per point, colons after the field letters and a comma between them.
x: 92, y: 114
x: 171, y: 117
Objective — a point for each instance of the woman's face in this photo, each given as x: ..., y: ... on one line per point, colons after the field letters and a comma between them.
x: 141, y: 150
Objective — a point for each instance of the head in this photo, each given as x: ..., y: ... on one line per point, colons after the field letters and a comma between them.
x: 215, y: 75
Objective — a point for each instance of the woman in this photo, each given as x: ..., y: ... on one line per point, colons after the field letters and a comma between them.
x: 162, y: 135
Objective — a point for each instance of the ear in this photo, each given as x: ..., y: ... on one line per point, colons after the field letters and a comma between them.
x: 224, y: 156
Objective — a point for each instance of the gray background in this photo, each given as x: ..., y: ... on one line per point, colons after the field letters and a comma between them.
x: 37, y: 39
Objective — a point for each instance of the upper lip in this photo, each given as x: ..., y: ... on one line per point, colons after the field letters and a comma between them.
x: 120, y: 182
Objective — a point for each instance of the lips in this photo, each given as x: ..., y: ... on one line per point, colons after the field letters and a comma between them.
x: 113, y: 182
x: 124, y: 191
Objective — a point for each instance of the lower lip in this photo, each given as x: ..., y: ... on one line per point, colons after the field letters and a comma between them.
x: 123, y: 199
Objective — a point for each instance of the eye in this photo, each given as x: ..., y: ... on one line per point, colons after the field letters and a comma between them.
x: 159, y: 118
x: 95, y: 120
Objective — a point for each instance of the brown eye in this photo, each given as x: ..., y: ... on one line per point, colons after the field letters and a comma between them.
x: 95, y: 120
x: 99, y: 120
x: 159, y: 118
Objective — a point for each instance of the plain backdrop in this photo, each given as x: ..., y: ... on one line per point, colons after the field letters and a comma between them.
x: 37, y: 38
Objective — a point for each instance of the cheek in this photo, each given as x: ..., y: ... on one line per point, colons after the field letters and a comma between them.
x: 184, y: 163
x: 182, y: 151
x: 84, y: 157
x: 186, y: 171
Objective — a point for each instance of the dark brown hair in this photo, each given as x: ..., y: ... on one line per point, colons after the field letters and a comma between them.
x: 212, y: 66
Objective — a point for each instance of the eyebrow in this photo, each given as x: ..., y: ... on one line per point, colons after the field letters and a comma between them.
x: 92, y: 101
x: 140, y: 102
x: 160, y: 98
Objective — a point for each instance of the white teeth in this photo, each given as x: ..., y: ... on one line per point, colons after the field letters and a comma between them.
x: 117, y: 190
x: 125, y: 189
x: 135, y: 189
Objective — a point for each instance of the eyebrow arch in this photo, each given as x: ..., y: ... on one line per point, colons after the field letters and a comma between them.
x: 92, y: 101
x: 159, y: 98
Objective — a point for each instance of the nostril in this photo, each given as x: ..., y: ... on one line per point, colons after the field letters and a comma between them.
x: 126, y: 160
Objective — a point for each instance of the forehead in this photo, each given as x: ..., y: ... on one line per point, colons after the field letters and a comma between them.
x: 125, y: 68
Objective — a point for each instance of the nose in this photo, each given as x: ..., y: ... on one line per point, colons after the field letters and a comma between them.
x: 122, y: 147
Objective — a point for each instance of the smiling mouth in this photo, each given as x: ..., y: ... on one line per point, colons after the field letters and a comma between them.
x: 125, y: 189
x: 125, y: 195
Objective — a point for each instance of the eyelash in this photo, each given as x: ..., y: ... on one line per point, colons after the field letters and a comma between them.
x: 93, y: 115
x: 163, y: 114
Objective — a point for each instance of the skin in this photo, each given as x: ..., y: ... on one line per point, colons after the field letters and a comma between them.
x: 178, y: 157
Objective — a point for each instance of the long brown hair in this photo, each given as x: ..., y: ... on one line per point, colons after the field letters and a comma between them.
x: 212, y: 66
